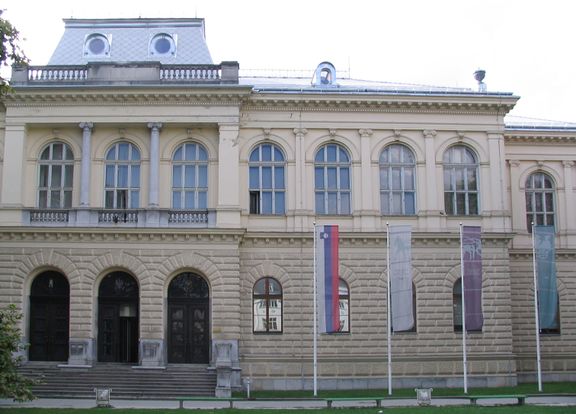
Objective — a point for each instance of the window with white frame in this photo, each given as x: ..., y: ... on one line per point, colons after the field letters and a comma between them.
x: 267, y: 306
x: 461, y: 193
x: 56, y: 173
x: 332, y: 180
x: 397, y: 181
x: 267, y: 186
x: 190, y: 177
x: 122, y: 181
x: 539, y: 200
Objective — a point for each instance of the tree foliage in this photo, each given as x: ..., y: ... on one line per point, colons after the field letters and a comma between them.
x: 10, y: 51
x: 12, y: 384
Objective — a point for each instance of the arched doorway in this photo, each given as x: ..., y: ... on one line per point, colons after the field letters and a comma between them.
x: 49, y: 317
x: 118, y: 318
x: 188, y: 320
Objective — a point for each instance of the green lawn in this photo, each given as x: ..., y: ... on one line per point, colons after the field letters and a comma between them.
x: 418, y: 410
x: 550, y: 388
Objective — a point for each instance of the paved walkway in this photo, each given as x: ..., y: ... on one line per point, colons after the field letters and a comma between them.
x: 293, y: 404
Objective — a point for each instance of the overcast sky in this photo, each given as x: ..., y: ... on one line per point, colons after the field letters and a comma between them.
x: 527, y: 47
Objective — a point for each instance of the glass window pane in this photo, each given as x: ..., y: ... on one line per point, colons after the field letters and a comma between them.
x: 44, y: 176
x: 111, y: 154
x: 459, y: 179
x: 319, y: 155
x: 176, y: 199
x: 255, y: 155
x: 408, y: 179
x: 178, y: 154
x: 332, y: 203
x: 67, y: 199
x: 56, y: 180
x: 267, y: 177
x: 45, y: 154
x: 266, y: 202
x: 395, y: 154
x: 254, y: 178
x: 260, y: 287
x: 447, y: 179
x: 473, y: 203
x: 343, y: 156
x: 529, y: 202
x: 110, y: 176
x: 203, y: 176
x: 279, y: 177
x: 319, y: 178
x: 202, y: 154
x: 278, y: 155
x: 135, y: 176
x: 177, y: 176
x: 319, y: 203
x: 332, y: 178
x: 460, y: 203
x: 189, y: 176
x: 54, y: 199
x: 468, y: 156
x: 122, y: 176
x: 448, y: 206
x: 409, y: 203
x: 57, y: 151
x: 202, y: 199
x: 344, y: 178
x: 549, y: 202
x: 396, y: 179
x: 121, y: 198
x: 109, y: 199
x: 43, y: 199
x: 396, y: 202
x: 134, y: 199
x: 384, y: 203
x: 547, y: 181
x: 68, y: 173
x: 190, y: 150
x: 331, y: 153
x: 123, y: 151
x: 279, y: 203
x: 345, y: 203
x: 384, y: 178
x: 539, y: 204
x: 472, y: 186
x: 266, y: 153
x: 189, y: 200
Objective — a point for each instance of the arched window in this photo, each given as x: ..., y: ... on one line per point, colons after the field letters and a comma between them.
x: 267, y: 182
x: 460, y: 181
x: 344, y: 295
x: 539, y: 200
x: 267, y: 302
x: 122, y: 187
x: 56, y: 176
x: 190, y: 177
x: 332, y: 180
x: 397, y: 181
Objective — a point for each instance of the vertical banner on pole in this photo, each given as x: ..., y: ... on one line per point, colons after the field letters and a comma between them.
x: 327, y: 278
x: 400, y: 241
x: 546, y: 274
x: 472, y: 276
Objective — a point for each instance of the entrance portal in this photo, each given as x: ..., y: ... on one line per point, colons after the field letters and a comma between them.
x: 49, y: 317
x: 188, y: 320
x: 118, y: 318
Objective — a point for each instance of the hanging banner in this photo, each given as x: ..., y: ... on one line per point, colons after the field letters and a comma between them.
x: 400, y: 248
x: 546, y: 273
x: 472, y: 272
x: 327, y: 278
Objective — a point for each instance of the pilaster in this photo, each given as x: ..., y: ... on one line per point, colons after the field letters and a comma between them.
x: 516, y: 199
x: 570, y: 219
x: 228, y: 214
x: 154, y: 180
x: 301, y: 186
x: 85, y: 166
x: 13, y: 175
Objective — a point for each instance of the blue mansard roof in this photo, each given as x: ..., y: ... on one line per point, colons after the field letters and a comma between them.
x: 169, y: 41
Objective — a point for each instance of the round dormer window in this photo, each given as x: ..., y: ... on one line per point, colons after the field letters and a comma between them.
x: 162, y: 44
x: 97, y: 45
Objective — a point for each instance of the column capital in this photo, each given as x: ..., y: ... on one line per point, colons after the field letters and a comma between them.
x: 514, y: 163
x: 86, y: 125
x: 300, y: 131
x: 429, y: 133
x: 365, y: 132
x: 568, y: 163
x: 155, y: 125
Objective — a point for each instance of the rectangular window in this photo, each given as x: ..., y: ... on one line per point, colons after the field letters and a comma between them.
x: 254, y: 202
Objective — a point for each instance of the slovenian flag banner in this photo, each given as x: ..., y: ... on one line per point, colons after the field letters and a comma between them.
x: 327, y: 278
x: 400, y: 247
x: 546, y: 271
x: 472, y: 261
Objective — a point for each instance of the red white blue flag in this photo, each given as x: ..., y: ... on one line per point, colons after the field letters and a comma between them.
x: 327, y: 278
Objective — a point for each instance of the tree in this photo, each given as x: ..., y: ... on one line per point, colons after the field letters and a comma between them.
x: 10, y: 51
x: 12, y: 384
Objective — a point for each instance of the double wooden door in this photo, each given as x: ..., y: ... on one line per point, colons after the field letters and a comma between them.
x: 188, y: 336
x: 49, y: 329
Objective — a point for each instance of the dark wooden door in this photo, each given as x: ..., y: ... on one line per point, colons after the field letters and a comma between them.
x: 49, y: 319
x: 188, y: 338
x: 117, y: 335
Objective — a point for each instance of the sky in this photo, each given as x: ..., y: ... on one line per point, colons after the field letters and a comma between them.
x: 527, y: 47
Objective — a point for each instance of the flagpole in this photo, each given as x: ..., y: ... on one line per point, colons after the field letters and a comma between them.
x: 536, y: 316
x: 389, y: 324
x: 464, y: 357
x: 315, y: 347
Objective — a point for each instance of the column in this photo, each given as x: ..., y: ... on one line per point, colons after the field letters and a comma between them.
x: 301, y: 182
x: 13, y: 173
x: 366, y: 173
x: 228, y: 214
x: 570, y: 219
x: 154, y: 164
x: 85, y: 166
x: 496, y: 187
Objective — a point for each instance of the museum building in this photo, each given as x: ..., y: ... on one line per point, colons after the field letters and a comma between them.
x: 157, y: 208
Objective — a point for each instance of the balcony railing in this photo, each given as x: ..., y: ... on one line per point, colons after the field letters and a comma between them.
x: 83, y: 217
x: 132, y: 73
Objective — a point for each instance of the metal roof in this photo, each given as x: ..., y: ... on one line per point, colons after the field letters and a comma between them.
x: 130, y: 41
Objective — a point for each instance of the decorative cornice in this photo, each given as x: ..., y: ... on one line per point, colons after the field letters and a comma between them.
x: 548, y: 137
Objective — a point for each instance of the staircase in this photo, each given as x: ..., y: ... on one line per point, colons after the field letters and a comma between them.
x: 125, y: 381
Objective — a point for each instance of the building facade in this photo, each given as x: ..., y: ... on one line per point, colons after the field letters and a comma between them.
x: 156, y: 207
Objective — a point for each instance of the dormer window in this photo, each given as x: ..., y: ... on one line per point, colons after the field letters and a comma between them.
x: 162, y: 44
x: 325, y: 75
x: 97, y: 45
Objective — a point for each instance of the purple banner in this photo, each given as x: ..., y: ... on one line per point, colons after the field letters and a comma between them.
x: 472, y: 263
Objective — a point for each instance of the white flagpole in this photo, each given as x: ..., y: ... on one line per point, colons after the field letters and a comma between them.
x: 389, y: 307
x: 536, y: 316
x: 464, y: 357
x: 315, y: 357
